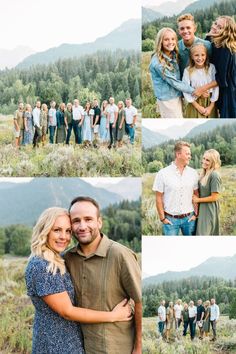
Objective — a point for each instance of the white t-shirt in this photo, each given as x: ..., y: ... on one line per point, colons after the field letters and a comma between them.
x: 77, y: 112
x: 52, y: 117
x: 36, y: 115
x: 178, y: 309
x: 111, y: 110
x: 130, y: 113
x: 192, y: 311
x: 177, y: 188
x: 162, y: 313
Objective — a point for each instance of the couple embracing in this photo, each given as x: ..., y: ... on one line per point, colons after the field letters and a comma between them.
x: 185, y: 201
x: 95, y: 283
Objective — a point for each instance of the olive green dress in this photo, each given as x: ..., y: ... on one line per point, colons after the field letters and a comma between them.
x: 208, y: 221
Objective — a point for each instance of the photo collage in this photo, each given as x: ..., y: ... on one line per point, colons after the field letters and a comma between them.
x: 117, y: 129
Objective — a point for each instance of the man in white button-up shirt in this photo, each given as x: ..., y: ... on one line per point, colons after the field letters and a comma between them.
x: 161, y: 316
x: 214, y: 316
x: 174, y: 186
x: 36, y: 122
x: 77, y: 121
x: 130, y: 119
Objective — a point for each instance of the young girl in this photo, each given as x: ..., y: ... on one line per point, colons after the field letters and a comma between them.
x: 198, y: 73
x: 87, y: 124
x: 165, y: 75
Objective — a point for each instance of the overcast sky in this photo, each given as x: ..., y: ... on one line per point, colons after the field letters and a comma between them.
x: 90, y: 180
x: 162, y: 254
x: 48, y: 23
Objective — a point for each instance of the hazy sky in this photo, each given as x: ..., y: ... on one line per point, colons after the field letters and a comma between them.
x: 92, y: 180
x: 161, y: 124
x: 48, y: 23
x: 162, y: 254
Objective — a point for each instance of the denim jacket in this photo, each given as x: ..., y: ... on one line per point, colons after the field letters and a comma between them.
x: 167, y: 85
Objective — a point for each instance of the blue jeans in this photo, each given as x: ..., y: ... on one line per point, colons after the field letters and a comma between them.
x: 185, y: 327
x: 68, y: 133
x: 161, y: 326
x: 130, y: 131
x: 52, y: 130
x: 188, y: 228
x: 77, y: 131
x: 192, y: 326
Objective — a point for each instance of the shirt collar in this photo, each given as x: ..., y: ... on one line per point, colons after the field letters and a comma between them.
x: 184, y: 46
x: 101, y: 251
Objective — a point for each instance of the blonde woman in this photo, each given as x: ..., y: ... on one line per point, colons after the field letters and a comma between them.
x: 43, y: 118
x: 170, y: 320
x: 165, y: 75
x: 120, y: 123
x: 206, y: 319
x: 223, y: 37
x: 51, y: 290
x: 104, y: 131
x: 28, y: 125
x: 209, y: 190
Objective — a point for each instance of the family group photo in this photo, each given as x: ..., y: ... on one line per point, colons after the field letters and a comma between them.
x: 188, y: 62
x: 71, y: 269
x: 188, y: 188
x: 72, y: 108
x: 189, y: 299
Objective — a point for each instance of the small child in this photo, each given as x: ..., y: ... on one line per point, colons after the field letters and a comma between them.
x: 165, y: 75
x: 200, y: 72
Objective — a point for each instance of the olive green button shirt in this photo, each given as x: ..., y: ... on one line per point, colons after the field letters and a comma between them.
x: 19, y: 117
x: 101, y: 281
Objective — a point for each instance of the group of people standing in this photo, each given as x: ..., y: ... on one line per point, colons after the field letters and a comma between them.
x: 186, y: 202
x: 203, y: 316
x: 91, y: 124
x: 201, y: 70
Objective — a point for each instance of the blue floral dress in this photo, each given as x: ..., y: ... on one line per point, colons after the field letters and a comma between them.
x: 104, y: 131
x: 28, y: 135
x: 52, y: 334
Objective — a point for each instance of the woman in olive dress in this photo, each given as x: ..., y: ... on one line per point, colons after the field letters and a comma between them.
x: 209, y: 192
x: 206, y: 319
x: 44, y: 122
x: 120, y: 123
x: 61, y: 128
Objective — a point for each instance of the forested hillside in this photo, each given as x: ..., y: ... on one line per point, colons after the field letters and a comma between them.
x: 100, y: 75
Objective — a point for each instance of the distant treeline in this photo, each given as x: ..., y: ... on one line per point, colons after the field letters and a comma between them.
x: 203, y: 19
x: 192, y: 288
x: 121, y: 222
x: 223, y: 139
x: 98, y: 75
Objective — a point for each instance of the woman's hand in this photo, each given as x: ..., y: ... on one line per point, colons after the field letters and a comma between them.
x: 122, y: 311
x: 195, y: 199
x: 193, y: 218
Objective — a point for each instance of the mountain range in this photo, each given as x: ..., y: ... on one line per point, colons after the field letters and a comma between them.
x: 10, y: 58
x: 126, y: 37
x: 189, y: 129
x: 222, y: 267
x: 128, y: 188
x: 23, y: 202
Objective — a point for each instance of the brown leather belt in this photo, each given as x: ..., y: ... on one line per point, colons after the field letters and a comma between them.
x: 181, y: 216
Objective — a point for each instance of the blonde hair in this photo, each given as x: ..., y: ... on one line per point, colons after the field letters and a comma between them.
x: 215, y: 161
x: 185, y: 17
x: 39, y: 245
x: 121, y: 103
x: 44, y: 107
x: 227, y: 37
x: 191, y: 66
x: 159, y: 48
x: 179, y: 145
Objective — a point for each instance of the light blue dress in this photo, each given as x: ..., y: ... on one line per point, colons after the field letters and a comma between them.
x: 104, y: 131
x: 52, y: 334
x: 87, y: 130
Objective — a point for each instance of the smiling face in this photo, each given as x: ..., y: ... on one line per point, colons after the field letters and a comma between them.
x: 217, y: 26
x: 199, y: 55
x: 187, y: 28
x: 86, y: 223
x: 168, y: 42
x: 206, y: 161
x: 60, y: 235
x: 183, y: 156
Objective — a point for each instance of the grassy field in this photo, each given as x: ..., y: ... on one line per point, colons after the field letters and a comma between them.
x: 72, y: 161
x: 16, y: 311
x: 151, y: 224
x: 225, y: 343
x: 149, y: 109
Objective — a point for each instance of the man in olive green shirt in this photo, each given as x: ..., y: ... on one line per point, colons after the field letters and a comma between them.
x: 103, y: 272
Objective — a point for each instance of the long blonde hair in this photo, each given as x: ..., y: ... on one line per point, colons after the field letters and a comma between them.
x: 215, y: 161
x: 159, y: 48
x: 39, y: 243
x: 227, y: 36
